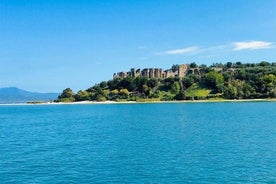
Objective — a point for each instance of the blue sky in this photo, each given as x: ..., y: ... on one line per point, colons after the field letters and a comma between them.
x: 46, y: 46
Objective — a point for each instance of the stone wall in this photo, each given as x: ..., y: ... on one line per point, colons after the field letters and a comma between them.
x: 155, y: 72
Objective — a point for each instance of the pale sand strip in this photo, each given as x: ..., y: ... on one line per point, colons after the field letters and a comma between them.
x: 134, y: 102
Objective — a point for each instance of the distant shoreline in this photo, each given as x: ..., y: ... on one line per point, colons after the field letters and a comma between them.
x: 135, y: 102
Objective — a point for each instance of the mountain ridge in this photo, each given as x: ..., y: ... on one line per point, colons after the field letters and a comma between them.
x: 17, y: 95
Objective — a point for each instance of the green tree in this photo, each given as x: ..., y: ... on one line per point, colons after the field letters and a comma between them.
x: 264, y: 63
x: 175, y: 67
x: 193, y: 65
x: 269, y: 80
x: 82, y: 96
x: 114, y: 94
x: 66, y: 96
x: 168, y: 83
x: 214, y: 80
x: 188, y: 81
x: 248, y: 90
x: 152, y: 82
x: 126, y: 83
x: 175, y: 88
x: 180, y: 96
x: 139, y: 82
x: 103, y: 84
x: 268, y: 84
x: 113, y: 84
x: 238, y: 63
x: 124, y: 93
x: 145, y: 89
x: 230, y: 92
x: 100, y: 98
x: 229, y: 64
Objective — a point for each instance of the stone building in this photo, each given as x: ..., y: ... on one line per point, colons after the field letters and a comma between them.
x: 181, y: 72
x: 158, y: 73
x: 120, y: 75
x: 169, y: 73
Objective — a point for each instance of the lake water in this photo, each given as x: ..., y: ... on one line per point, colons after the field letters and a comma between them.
x: 139, y: 143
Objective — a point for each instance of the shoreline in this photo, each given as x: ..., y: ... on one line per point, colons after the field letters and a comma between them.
x: 135, y: 102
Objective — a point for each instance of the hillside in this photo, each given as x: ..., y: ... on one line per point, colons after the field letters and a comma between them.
x: 15, y: 95
x: 184, y: 82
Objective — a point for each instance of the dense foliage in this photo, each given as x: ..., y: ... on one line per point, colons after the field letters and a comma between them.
x: 228, y: 81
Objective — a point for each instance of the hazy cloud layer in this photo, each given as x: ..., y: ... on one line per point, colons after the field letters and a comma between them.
x: 252, y: 45
x: 187, y: 50
x: 230, y: 47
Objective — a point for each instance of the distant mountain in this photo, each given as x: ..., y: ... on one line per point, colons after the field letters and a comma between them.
x: 15, y: 95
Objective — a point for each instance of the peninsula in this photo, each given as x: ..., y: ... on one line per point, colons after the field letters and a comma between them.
x: 184, y: 82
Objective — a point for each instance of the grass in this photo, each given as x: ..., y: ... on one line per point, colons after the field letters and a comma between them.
x: 196, y: 90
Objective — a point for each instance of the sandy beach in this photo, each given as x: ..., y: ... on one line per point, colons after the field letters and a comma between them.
x: 146, y: 102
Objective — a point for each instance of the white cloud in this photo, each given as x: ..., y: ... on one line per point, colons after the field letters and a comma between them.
x: 220, y: 49
x: 187, y: 50
x: 252, y: 45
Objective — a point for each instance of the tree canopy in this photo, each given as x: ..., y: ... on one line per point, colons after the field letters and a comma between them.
x: 228, y: 81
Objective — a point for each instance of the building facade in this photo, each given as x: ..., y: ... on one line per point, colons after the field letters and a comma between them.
x: 181, y: 72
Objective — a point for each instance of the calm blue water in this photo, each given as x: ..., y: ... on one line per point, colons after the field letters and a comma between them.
x: 139, y: 143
